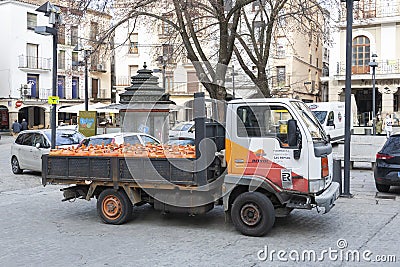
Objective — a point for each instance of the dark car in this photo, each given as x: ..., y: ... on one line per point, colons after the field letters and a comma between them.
x: 387, y: 167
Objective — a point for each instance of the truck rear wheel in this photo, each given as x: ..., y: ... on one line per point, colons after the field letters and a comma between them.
x: 114, y: 207
x: 253, y: 214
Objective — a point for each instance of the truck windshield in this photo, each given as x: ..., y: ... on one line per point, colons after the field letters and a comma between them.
x: 321, y: 115
x: 315, y: 128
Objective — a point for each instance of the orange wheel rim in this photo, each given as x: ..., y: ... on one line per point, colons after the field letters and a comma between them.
x: 112, y: 207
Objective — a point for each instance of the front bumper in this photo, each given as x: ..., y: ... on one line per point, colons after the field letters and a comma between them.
x: 327, y: 199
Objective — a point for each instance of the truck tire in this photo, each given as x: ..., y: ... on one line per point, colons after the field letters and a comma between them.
x: 15, y: 166
x: 253, y: 214
x: 114, y: 207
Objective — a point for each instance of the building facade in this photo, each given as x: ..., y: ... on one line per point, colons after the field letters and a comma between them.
x: 376, y: 32
x: 26, y: 65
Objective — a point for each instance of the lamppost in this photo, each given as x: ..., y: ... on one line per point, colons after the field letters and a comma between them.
x: 347, y: 133
x: 163, y: 61
x: 87, y: 51
x: 373, y: 64
x: 54, y: 14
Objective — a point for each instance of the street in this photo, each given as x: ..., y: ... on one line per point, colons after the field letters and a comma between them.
x: 40, y: 230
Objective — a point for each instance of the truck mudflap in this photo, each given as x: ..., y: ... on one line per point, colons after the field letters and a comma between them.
x: 327, y: 199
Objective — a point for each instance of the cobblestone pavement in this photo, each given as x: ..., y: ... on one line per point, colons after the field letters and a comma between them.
x: 40, y: 230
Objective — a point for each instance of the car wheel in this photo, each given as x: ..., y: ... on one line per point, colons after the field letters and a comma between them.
x: 382, y: 187
x: 114, y: 207
x: 15, y: 166
x: 253, y: 214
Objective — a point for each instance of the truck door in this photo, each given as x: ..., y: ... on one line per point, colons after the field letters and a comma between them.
x: 258, y: 146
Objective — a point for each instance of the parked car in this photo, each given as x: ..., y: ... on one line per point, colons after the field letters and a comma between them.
x: 119, y: 138
x: 183, y: 129
x: 181, y: 141
x: 30, y: 145
x: 387, y: 167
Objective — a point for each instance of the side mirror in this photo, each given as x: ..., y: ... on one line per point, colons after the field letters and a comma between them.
x: 292, y: 132
x: 294, y: 138
x: 37, y: 145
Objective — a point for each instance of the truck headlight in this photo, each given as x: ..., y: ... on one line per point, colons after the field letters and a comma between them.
x: 316, y: 185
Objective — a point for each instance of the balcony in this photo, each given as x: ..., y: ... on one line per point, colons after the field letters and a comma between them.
x: 123, y: 81
x: 385, y: 67
x: 36, y: 63
x: 380, y: 11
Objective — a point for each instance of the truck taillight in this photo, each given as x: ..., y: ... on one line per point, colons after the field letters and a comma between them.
x: 324, y: 167
x: 383, y: 156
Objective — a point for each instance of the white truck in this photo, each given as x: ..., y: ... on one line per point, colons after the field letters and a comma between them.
x: 331, y: 116
x: 269, y: 157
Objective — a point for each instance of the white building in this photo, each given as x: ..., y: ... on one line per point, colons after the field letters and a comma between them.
x: 26, y: 65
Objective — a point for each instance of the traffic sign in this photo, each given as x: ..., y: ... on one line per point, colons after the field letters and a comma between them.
x: 53, y: 100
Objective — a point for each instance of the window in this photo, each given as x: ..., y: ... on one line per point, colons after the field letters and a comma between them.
x: 258, y: 4
x: 280, y: 47
x: 75, y: 87
x: 32, y: 55
x: 75, y: 61
x: 132, y: 140
x: 263, y: 121
x: 133, y: 70
x: 61, y: 86
x: 31, y: 21
x: 360, y: 55
x: 168, y: 51
x: 147, y: 139
x: 310, y: 59
x: 61, y: 59
x: 281, y: 75
x: 94, y: 30
x: 369, y: 8
x: 33, y: 80
x: 61, y: 34
x: 133, y: 43
x: 166, y: 27
x: 74, y: 35
x: 192, y: 82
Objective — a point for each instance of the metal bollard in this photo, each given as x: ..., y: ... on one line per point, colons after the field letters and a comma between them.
x: 337, y: 173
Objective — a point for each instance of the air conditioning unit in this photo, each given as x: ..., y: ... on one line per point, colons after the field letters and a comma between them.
x: 26, y: 89
x: 100, y: 67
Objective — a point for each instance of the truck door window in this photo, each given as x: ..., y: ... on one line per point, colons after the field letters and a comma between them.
x: 263, y: 121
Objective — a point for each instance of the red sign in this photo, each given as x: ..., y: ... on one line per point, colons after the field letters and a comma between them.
x: 18, y: 103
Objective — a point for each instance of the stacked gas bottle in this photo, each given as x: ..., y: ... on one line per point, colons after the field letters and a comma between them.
x: 127, y: 150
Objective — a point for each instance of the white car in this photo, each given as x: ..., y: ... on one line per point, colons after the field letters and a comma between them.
x: 183, y: 129
x: 119, y: 138
x: 30, y: 145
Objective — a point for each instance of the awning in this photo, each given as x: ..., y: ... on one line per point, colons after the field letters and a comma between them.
x: 92, y: 107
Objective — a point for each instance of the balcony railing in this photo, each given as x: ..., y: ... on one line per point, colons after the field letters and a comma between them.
x: 381, y: 11
x: 384, y: 67
x: 34, y: 62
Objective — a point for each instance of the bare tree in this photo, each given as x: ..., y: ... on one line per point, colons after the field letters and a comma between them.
x: 254, y: 41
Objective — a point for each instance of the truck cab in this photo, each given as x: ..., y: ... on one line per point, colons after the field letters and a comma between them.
x: 276, y: 146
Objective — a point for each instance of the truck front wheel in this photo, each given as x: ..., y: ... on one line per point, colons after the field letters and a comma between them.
x: 114, y: 207
x: 253, y: 214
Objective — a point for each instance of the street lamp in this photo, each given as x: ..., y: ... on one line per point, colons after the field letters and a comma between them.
x: 347, y: 106
x: 87, y: 51
x: 163, y: 61
x: 54, y: 14
x: 373, y: 64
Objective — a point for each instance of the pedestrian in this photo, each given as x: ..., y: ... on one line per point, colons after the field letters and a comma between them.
x: 378, y: 125
x: 16, y: 128
x: 24, y: 125
x: 387, y: 124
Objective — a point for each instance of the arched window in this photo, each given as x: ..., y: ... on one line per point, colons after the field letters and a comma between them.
x: 361, y: 52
